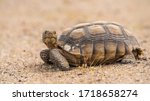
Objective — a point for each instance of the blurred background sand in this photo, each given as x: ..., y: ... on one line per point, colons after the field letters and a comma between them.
x: 23, y: 21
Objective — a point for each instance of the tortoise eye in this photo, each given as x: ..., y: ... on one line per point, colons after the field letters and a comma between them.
x: 46, y: 32
x: 54, y: 32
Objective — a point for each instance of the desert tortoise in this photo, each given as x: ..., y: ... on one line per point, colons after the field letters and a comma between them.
x: 91, y: 44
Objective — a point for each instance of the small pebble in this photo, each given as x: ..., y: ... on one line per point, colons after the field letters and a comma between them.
x: 19, y: 80
x: 79, y: 74
x: 98, y: 80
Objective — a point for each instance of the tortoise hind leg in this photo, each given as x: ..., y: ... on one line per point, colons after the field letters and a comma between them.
x: 129, y: 56
x: 59, y: 60
x: 127, y: 59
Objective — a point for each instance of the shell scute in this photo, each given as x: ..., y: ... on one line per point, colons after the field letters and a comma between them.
x: 99, y: 41
x: 96, y: 30
x: 114, y: 29
x: 77, y: 34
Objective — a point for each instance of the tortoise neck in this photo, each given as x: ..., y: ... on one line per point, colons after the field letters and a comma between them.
x: 73, y: 59
x: 53, y: 46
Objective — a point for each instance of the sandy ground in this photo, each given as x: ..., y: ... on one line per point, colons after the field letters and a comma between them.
x: 23, y: 21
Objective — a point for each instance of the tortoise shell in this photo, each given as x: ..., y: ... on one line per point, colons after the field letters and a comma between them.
x: 98, y: 41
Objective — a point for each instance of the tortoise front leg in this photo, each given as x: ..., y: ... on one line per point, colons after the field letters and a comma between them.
x: 44, y: 54
x: 59, y: 60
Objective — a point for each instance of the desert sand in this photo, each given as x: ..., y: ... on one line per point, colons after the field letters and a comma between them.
x: 23, y: 21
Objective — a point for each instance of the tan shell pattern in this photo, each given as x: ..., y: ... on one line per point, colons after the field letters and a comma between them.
x: 98, y: 41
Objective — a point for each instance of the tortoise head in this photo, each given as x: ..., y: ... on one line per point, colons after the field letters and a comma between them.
x: 50, y: 39
x: 137, y: 52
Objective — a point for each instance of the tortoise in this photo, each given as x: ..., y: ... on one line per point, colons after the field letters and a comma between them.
x: 90, y: 44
